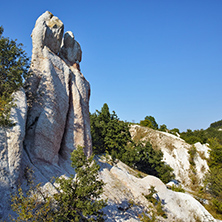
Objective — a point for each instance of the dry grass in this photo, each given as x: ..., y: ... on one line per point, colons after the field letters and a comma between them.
x: 140, y: 134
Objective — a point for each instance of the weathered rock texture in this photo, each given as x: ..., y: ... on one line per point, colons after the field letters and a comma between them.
x: 175, y: 153
x: 58, y: 96
x: 54, y: 119
x: 11, y: 145
x: 123, y: 188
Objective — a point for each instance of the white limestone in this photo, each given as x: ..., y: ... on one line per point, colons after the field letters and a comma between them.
x: 175, y: 153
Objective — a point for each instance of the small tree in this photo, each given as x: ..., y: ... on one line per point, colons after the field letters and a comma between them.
x: 78, y: 198
x: 109, y: 134
x: 163, y: 128
x: 14, y: 66
x: 146, y: 159
x: 149, y: 121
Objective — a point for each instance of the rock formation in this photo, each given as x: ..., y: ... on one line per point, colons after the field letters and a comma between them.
x: 54, y: 119
x: 58, y: 96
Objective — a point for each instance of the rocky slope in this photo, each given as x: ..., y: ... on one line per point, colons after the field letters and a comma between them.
x: 52, y: 117
x: 175, y: 153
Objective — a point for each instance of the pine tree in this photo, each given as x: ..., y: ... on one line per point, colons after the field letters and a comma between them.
x: 109, y: 134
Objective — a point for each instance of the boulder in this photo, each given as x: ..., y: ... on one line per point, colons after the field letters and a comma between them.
x: 124, y: 189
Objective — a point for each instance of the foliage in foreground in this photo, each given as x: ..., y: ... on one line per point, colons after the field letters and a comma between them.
x: 14, y: 66
x: 77, y: 199
x: 33, y: 205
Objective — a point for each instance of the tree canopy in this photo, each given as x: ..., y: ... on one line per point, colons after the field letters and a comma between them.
x: 111, y: 135
x: 149, y: 121
x: 14, y: 65
x: 214, y: 178
x: 108, y: 132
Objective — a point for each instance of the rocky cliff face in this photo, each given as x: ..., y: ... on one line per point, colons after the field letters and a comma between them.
x: 52, y: 114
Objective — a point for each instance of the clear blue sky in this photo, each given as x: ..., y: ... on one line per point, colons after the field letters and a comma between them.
x: 144, y: 57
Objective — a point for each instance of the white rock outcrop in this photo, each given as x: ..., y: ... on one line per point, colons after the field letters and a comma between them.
x: 11, y: 146
x: 58, y: 97
x: 122, y: 188
x: 52, y: 119
x: 175, y: 152
x: 52, y: 114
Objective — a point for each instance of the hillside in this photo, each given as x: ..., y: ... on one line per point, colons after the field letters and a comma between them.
x: 175, y: 151
x: 52, y: 121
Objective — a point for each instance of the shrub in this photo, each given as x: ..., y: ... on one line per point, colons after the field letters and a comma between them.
x: 156, y: 202
x: 147, y: 160
x: 77, y: 198
x: 177, y: 188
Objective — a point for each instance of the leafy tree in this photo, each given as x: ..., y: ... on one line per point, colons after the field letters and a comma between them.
x: 77, y: 198
x: 217, y: 124
x: 195, y: 136
x: 175, y: 131
x: 163, y: 128
x: 149, y: 121
x: 14, y: 66
x: 108, y: 132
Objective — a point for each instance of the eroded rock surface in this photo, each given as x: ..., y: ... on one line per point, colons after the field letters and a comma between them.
x: 58, y: 96
x: 126, y: 195
x: 54, y: 119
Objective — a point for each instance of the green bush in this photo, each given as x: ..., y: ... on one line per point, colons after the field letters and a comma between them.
x: 177, y: 188
x: 146, y: 159
x: 150, y: 122
x: 214, y: 178
x: 78, y: 198
x: 193, y: 153
x: 155, y: 202
x: 109, y: 134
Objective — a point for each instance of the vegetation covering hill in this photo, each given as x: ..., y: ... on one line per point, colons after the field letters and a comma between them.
x: 214, y: 131
x: 111, y: 135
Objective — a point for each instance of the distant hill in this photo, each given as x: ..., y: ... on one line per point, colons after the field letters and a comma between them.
x: 202, y: 136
